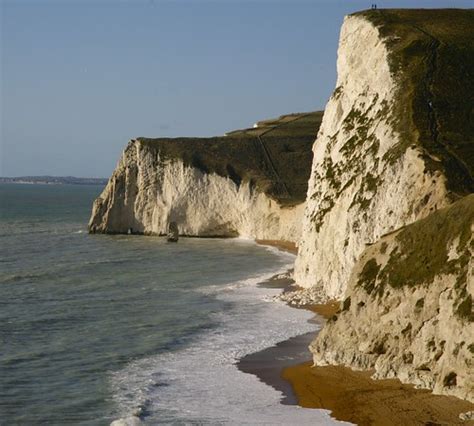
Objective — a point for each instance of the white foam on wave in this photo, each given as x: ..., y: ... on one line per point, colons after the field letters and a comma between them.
x: 248, y: 282
x: 202, y: 384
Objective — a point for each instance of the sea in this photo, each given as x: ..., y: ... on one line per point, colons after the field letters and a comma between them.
x: 96, y: 329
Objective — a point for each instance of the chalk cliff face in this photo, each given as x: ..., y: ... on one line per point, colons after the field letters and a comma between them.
x: 408, y: 313
x: 387, y: 153
x: 386, y: 221
x: 146, y: 192
x: 250, y: 183
x: 389, y: 220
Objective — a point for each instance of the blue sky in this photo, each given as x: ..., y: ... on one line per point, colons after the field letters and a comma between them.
x: 80, y: 78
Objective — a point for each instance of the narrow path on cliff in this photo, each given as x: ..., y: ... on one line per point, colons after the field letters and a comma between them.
x: 281, y: 188
x: 428, y: 82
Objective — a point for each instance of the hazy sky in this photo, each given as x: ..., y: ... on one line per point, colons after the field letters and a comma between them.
x: 80, y: 78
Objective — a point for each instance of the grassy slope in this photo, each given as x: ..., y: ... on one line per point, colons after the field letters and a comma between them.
x: 422, y: 252
x: 280, y: 166
x: 432, y: 57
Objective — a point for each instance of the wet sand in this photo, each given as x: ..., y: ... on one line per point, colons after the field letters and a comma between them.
x: 354, y: 397
x: 350, y: 395
x: 268, y: 364
x: 325, y: 310
x: 282, y: 245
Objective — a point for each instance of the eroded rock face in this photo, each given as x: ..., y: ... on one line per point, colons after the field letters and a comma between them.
x: 361, y: 186
x: 147, y: 192
x: 380, y: 230
x: 250, y: 183
x: 408, y: 311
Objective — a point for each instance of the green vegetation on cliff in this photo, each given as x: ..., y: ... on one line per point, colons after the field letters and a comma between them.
x: 441, y: 244
x: 432, y: 58
x: 275, y: 157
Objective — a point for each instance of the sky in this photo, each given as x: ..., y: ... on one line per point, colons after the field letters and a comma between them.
x: 79, y: 79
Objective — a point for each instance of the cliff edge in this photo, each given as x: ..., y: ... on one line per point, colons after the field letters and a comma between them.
x: 250, y: 183
x: 397, y: 138
x: 389, y: 220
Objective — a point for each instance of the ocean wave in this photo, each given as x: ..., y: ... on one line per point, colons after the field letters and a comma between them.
x: 276, y: 250
x: 14, y: 231
x: 248, y: 282
x: 253, y: 280
x: 22, y: 229
x: 108, y: 261
x: 201, y: 383
x: 11, y: 278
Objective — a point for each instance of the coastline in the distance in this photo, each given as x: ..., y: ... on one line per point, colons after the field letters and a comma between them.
x: 54, y: 180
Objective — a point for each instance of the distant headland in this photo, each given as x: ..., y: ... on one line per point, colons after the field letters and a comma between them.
x: 54, y: 180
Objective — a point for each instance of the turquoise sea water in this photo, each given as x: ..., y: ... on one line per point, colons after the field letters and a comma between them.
x: 95, y: 328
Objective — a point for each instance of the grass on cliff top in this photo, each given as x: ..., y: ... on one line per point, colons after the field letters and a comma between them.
x: 423, y: 252
x: 280, y: 167
x: 432, y: 58
x: 285, y: 125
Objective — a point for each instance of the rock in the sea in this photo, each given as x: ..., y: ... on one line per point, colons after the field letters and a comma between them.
x: 127, y: 421
x: 173, y: 232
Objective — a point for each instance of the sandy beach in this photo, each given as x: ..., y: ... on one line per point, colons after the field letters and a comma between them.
x: 354, y: 397
x: 287, y: 246
x: 350, y: 395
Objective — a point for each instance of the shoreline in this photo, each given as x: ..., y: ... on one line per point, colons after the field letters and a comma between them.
x: 354, y: 397
x: 268, y: 363
x: 349, y: 395
x: 286, y: 246
x: 198, y: 381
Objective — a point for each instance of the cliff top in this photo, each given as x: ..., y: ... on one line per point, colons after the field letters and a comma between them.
x: 431, y: 56
x: 275, y: 156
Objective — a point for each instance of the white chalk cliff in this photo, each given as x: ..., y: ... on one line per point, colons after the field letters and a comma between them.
x: 408, y: 312
x: 380, y: 229
x: 154, y: 184
x: 357, y: 191
x: 146, y: 192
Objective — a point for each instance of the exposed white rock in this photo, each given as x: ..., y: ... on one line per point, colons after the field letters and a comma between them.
x: 147, y: 192
x: 300, y: 297
x: 408, y: 312
x: 358, y: 191
x: 469, y: 415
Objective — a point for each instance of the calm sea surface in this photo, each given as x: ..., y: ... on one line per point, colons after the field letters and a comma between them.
x: 95, y: 328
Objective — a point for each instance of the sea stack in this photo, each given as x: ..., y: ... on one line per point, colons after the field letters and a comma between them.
x: 173, y: 232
